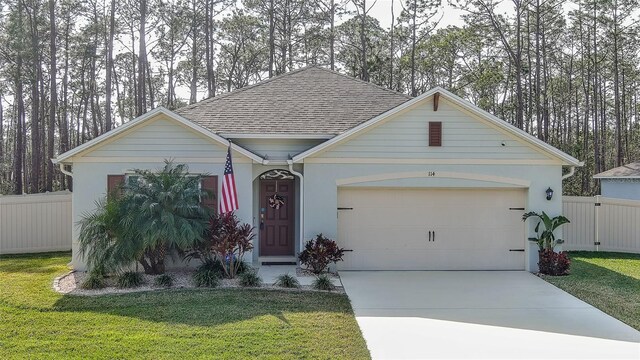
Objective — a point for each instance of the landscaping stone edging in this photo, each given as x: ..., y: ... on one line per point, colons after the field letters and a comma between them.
x: 56, y: 282
x: 76, y: 290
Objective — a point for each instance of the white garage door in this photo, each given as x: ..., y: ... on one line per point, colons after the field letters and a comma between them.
x: 435, y: 229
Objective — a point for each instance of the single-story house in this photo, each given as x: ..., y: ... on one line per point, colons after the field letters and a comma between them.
x: 622, y: 182
x: 425, y: 183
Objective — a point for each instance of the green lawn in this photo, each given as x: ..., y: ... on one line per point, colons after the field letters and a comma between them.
x: 36, y: 322
x: 609, y: 281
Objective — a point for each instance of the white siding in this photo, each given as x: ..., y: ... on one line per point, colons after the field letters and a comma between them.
x: 161, y: 138
x: 35, y: 223
x: 280, y: 149
x: 406, y: 137
x: 617, y: 222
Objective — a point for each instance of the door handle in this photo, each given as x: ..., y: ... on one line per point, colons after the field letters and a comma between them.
x: 429, y: 235
x: 434, y: 235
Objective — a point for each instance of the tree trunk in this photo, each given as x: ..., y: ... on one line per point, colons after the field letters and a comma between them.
x: 194, y: 53
x: 53, y: 95
x: 332, y: 34
x: 392, y: 45
x: 272, y: 41
x: 142, y: 60
x: 616, y: 88
x: 363, y: 42
x: 109, y: 67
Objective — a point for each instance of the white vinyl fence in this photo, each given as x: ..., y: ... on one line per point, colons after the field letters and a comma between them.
x: 35, y: 223
x: 600, y: 223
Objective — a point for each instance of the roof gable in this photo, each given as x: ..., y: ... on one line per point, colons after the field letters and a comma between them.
x: 535, y: 144
x: 140, y: 122
x: 307, y: 101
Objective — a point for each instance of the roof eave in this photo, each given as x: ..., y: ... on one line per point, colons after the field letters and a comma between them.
x: 613, y: 177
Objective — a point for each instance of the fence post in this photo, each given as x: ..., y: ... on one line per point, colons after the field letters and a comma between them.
x: 596, y: 222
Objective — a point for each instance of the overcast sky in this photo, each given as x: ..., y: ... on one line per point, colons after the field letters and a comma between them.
x: 382, y: 11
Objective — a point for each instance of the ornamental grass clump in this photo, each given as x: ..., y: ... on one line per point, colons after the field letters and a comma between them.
x: 250, y: 278
x: 206, y: 277
x: 287, y: 281
x: 93, y: 282
x: 323, y: 282
x: 129, y: 279
x: 164, y: 280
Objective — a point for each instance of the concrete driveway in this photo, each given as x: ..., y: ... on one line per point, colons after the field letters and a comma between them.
x: 480, y: 314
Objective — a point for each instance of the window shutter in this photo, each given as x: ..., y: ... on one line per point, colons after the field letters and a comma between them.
x: 435, y: 133
x: 114, y: 182
x: 210, y: 185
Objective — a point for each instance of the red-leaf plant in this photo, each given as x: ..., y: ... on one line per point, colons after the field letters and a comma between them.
x: 319, y: 253
x: 230, y: 240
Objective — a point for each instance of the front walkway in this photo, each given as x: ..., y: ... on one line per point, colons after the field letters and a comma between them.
x: 483, y: 314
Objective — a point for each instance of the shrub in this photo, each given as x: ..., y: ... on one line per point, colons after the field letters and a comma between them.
x: 230, y: 240
x: 250, y: 279
x: 149, y: 218
x: 287, y: 281
x: 553, y: 263
x: 549, y: 261
x: 206, y: 277
x: 164, y: 280
x: 323, y: 282
x: 545, y: 237
x: 101, y: 234
x: 93, y: 281
x: 319, y: 253
x: 129, y: 279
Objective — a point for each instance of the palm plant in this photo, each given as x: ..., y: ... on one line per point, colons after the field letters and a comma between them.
x: 154, y: 215
x: 102, y: 234
x: 165, y: 211
x: 546, y: 238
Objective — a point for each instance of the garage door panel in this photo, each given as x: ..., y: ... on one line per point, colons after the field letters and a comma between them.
x: 388, y: 229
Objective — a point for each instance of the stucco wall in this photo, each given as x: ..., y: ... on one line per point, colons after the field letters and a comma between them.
x: 146, y: 147
x: 475, y: 153
x: 621, y: 189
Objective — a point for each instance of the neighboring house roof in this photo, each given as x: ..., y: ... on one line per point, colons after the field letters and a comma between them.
x: 62, y: 158
x: 628, y: 171
x: 311, y: 100
x: 514, y: 131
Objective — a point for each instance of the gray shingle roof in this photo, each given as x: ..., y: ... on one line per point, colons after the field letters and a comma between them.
x: 311, y: 100
x: 628, y: 170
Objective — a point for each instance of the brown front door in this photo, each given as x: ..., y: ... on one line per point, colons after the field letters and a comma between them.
x: 277, y: 224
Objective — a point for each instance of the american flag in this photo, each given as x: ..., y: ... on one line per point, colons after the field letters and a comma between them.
x: 229, y: 199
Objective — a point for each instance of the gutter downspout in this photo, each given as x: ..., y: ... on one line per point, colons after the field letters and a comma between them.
x: 299, y: 175
x: 62, y: 170
x: 572, y: 170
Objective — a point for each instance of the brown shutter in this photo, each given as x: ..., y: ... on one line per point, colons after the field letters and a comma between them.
x: 435, y: 133
x: 210, y: 185
x: 114, y: 183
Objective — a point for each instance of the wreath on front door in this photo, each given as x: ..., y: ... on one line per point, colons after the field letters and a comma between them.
x: 276, y: 201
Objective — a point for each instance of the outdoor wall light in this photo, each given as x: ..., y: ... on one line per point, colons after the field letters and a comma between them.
x: 549, y: 193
